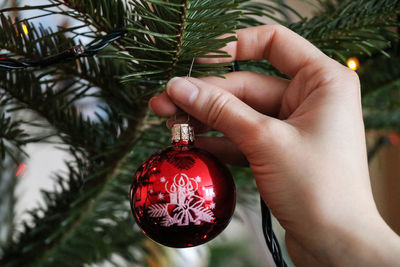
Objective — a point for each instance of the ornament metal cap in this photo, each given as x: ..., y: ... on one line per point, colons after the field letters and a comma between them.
x: 182, y: 132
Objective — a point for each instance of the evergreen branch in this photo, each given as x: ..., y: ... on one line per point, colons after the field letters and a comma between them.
x: 59, y: 95
x: 26, y: 7
x: 254, y: 12
x: 380, y: 92
x: 101, y: 73
x: 103, y: 15
x: 37, y: 43
x: 8, y: 183
x: 379, y: 81
x: 357, y: 27
x: 71, y: 213
x: 179, y: 38
x: 12, y: 137
x: 73, y: 129
x: 165, y: 37
x: 354, y: 28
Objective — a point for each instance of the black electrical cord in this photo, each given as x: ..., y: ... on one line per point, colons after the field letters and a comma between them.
x: 73, y: 53
x: 270, y: 238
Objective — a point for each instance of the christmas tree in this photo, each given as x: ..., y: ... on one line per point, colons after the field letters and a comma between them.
x: 120, y: 53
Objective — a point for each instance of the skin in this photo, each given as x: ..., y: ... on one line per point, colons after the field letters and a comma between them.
x: 304, y: 140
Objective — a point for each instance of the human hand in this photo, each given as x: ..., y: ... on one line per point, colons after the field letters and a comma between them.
x: 303, y: 139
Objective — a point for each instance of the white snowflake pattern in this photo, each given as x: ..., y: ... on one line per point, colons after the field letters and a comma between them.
x: 198, y: 179
x: 162, y: 179
x: 151, y: 191
x: 212, y: 205
x: 160, y: 196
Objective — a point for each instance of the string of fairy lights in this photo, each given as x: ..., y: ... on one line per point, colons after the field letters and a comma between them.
x: 78, y: 51
x: 75, y: 52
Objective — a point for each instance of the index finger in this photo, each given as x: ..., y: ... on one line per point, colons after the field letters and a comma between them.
x: 286, y: 50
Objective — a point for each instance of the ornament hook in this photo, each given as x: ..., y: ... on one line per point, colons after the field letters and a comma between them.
x: 176, y: 118
x: 180, y: 111
x: 190, y: 69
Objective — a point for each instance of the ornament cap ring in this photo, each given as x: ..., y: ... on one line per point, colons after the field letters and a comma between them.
x: 182, y: 133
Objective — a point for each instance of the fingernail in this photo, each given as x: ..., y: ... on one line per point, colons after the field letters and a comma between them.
x: 182, y: 90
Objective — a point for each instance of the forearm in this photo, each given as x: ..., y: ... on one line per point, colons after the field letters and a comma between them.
x: 370, y: 244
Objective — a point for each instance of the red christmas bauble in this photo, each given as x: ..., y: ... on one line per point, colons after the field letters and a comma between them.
x: 182, y: 196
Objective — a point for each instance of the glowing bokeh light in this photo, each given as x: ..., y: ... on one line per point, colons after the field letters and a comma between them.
x: 353, y: 63
x: 25, y: 29
x: 21, y: 169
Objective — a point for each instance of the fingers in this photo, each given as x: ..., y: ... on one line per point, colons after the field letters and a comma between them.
x: 162, y: 105
x: 217, y: 108
x: 261, y: 92
x: 286, y: 50
x: 223, y: 149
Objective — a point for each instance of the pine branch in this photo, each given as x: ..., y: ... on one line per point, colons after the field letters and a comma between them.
x: 380, y: 79
x: 357, y: 27
x: 26, y: 91
x: 8, y: 182
x: 68, y: 212
x: 103, y: 15
x: 255, y: 12
x: 56, y: 103
x: 37, y: 43
x: 378, y: 76
x: 26, y: 7
x: 102, y: 73
x: 12, y: 137
x: 166, y: 36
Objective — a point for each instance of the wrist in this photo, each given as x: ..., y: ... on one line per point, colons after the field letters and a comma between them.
x: 371, y: 242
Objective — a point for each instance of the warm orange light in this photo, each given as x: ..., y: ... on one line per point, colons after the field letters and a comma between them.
x: 394, y: 138
x: 353, y: 63
x: 25, y: 29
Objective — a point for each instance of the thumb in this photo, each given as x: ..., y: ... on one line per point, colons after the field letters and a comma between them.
x: 220, y: 110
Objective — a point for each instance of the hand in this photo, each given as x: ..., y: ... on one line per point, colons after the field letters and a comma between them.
x: 303, y: 139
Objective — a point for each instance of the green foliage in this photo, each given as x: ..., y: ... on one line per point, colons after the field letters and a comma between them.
x: 101, y: 15
x: 86, y: 219
x: 381, y: 92
x: 12, y: 137
x: 8, y: 184
x: 354, y: 28
x: 275, y: 10
x: 164, y: 37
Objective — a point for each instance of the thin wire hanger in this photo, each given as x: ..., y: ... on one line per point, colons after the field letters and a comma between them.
x: 181, y: 111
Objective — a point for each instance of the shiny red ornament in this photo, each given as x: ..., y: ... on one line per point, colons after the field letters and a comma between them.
x: 182, y: 196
